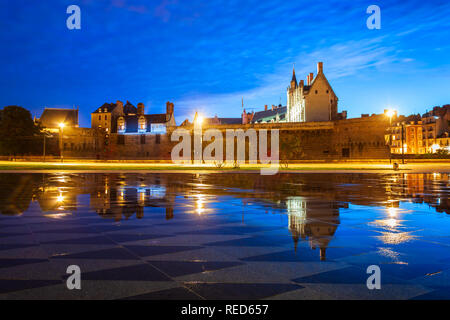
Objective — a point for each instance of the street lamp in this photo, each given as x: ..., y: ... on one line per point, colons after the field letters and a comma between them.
x: 198, y: 120
x: 61, y: 127
x: 390, y: 113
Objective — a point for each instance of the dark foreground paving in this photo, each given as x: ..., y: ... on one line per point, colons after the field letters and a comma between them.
x: 169, y: 262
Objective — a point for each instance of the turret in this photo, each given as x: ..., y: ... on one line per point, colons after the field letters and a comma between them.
x: 294, y: 80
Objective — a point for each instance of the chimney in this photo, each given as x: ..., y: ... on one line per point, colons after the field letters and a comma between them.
x: 310, y: 78
x: 169, y: 108
x: 319, y: 67
x: 273, y: 107
x: 301, y: 83
x: 265, y: 107
x: 140, y: 109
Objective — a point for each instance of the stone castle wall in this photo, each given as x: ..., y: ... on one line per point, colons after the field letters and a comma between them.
x: 361, y: 138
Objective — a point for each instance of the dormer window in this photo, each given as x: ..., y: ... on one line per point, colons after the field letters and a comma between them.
x: 142, y: 126
x: 121, y: 125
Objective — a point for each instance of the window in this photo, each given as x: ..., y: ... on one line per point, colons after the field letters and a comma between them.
x: 143, y: 139
x: 317, y: 92
x: 106, y: 117
x: 158, y: 128
x: 121, y: 125
x: 99, y: 117
x: 142, y: 124
x: 158, y: 139
x: 120, y: 139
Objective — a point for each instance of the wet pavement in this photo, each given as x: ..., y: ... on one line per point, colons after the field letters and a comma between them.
x: 224, y: 236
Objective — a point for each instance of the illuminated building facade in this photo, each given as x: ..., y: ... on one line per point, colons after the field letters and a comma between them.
x: 315, y: 101
x: 420, y: 134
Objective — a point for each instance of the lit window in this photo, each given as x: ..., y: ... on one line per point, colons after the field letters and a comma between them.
x: 142, y: 124
x: 121, y: 125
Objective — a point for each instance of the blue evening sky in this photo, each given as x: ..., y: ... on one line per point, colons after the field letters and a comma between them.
x: 207, y: 55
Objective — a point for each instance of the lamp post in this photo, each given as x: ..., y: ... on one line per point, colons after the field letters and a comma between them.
x: 403, y: 146
x: 61, y: 127
x: 198, y: 149
x: 390, y: 113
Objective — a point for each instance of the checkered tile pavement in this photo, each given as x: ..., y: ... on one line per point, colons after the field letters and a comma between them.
x: 217, y: 256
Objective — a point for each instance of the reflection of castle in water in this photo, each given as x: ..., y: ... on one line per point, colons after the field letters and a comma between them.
x: 313, y: 221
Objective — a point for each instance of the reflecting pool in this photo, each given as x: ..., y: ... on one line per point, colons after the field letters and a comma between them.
x: 225, y: 236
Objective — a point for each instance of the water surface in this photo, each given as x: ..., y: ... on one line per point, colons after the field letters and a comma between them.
x: 225, y: 236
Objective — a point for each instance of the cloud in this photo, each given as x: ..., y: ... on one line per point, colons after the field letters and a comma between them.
x: 340, y: 60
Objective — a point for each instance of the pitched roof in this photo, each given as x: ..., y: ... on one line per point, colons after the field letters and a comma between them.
x: 132, y: 121
x: 128, y: 108
x: 51, y: 118
x: 156, y: 118
x: 216, y: 120
x: 109, y: 107
x: 260, y: 115
x: 230, y: 120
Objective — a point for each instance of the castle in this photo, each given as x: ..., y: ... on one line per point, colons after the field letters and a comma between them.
x: 315, y: 101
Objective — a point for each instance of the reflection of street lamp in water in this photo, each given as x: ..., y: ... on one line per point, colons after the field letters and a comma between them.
x: 61, y: 127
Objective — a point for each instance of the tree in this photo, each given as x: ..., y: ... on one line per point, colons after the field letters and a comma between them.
x: 18, y: 132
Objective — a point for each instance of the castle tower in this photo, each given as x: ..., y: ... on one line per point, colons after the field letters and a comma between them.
x: 294, y: 79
